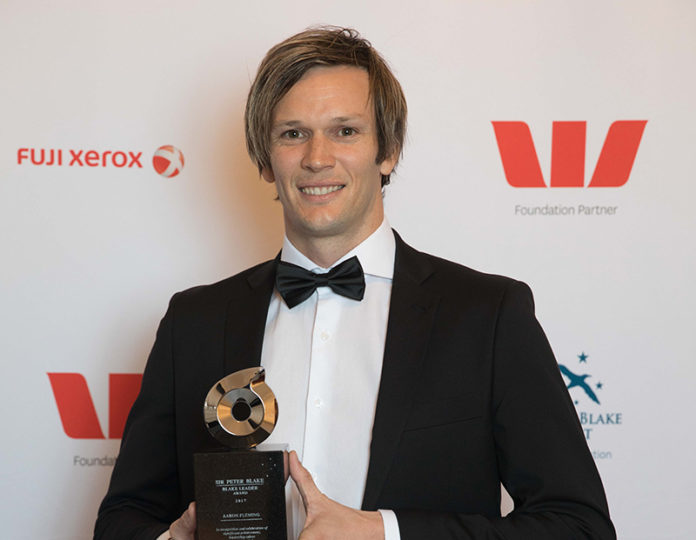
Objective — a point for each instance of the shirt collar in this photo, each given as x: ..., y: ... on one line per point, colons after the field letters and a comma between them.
x: 375, y: 253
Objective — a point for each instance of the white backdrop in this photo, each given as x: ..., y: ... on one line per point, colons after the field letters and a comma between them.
x: 91, y: 254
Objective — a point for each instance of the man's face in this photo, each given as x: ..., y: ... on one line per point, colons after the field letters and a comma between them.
x: 323, y: 150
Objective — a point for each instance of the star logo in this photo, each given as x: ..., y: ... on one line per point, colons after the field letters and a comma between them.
x: 580, y: 380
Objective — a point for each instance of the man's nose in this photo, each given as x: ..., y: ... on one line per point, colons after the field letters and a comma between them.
x: 318, y: 154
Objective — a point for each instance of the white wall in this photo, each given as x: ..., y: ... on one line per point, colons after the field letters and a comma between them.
x: 90, y: 255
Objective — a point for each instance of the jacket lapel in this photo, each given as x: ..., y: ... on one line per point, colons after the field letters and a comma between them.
x: 411, y: 314
x: 246, y: 318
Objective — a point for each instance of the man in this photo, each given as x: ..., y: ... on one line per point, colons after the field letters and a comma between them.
x: 413, y: 398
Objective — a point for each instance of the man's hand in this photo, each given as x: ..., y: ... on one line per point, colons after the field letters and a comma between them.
x: 327, y: 519
x: 184, y: 528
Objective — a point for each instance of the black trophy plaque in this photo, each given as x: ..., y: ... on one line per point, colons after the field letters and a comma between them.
x: 240, y: 493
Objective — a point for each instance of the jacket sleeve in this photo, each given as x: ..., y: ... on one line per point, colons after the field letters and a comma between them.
x: 542, y: 455
x: 143, y: 496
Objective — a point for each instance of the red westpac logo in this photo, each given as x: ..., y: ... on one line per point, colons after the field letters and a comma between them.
x: 613, y: 167
x: 76, y: 408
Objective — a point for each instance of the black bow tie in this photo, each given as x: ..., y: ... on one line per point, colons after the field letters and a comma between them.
x: 295, y: 284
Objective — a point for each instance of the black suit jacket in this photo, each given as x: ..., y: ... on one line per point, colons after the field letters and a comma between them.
x: 470, y: 396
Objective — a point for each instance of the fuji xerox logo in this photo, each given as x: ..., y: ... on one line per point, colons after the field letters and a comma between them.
x: 586, y: 392
x: 521, y: 164
x: 167, y: 160
x: 76, y: 408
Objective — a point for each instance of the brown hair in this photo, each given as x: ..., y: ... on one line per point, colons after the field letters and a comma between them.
x: 287, y: 62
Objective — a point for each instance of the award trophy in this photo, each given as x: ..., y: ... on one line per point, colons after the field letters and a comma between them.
x: 240, y: 493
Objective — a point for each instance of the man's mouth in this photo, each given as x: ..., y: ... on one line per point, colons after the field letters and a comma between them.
x: 319, y: 190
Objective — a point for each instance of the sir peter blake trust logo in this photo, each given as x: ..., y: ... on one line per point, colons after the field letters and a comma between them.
x: 587, y: 391
x: 167, y: 160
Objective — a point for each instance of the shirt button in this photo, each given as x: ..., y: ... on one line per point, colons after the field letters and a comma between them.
x: 325, y: 335
x: 317, y: 402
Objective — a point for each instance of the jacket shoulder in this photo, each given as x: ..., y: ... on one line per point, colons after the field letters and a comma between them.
x: 449, y: 277
x: 221, y: 292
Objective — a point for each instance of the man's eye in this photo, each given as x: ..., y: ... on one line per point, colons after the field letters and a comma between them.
x: 292, y: 134
x: 347, y: 131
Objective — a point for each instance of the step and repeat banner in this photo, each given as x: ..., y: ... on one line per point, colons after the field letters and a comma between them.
x: 551, y: 141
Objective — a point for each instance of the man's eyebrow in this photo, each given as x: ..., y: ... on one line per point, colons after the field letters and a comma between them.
x: 351, y: 118
x: 335, y: 120
x: 286, y: 123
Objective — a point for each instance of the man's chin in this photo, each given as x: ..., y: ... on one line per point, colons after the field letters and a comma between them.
x: 321, y: 229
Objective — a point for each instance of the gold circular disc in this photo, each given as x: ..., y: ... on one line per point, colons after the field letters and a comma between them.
x: 240, y: 409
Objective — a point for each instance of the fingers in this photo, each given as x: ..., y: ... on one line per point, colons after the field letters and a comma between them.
x: 189, y: 517
x: 184, y: 528
x: 303, y: 479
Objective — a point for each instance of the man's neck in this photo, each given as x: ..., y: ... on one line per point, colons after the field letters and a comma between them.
x: 325, y: 251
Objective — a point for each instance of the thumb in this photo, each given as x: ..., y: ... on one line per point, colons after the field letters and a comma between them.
x: 185, y: 527
x: 303, y: 479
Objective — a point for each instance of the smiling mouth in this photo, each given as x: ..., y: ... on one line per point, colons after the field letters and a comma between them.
x: 319, y: 190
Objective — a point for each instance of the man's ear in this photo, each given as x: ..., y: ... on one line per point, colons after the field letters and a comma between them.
x: 268, y: 175
x: 387, y: 166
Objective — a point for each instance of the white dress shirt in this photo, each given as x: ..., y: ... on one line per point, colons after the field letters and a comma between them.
x: 323, y: 361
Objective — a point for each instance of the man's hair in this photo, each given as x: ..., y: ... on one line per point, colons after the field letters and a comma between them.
x: 287, y: 62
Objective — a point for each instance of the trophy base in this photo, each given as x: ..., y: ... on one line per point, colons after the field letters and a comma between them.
x: 240, y: 495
